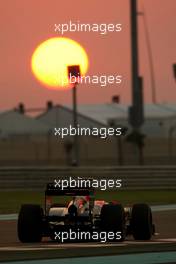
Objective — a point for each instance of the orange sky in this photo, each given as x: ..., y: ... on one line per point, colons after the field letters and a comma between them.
x: 25, y: 24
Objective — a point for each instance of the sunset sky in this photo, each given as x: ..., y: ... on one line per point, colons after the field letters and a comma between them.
x: 25, y: 24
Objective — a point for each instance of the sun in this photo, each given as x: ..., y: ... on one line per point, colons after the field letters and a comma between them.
x: 51, y: 58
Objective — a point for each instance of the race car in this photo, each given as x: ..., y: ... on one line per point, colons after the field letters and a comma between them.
x: 83, y: 214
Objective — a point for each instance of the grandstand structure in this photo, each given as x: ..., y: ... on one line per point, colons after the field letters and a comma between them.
x: 30, y: 140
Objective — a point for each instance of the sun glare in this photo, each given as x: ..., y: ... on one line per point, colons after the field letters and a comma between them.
x: 52, y: 57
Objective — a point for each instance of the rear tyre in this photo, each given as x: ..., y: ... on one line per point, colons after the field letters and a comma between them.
x: 29, y: 225
x: 141, y: 222
x: 113, y: 219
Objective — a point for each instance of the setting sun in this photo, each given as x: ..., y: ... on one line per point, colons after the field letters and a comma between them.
x: 52, y: 57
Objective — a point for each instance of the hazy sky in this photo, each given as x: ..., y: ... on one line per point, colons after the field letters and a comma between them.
x: 26, y: 23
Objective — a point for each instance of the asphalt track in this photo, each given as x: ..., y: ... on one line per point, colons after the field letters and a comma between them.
x: 144, y: 258
x: 165, y: 240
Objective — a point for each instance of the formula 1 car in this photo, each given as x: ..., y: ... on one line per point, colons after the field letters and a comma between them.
x: 83, y: 213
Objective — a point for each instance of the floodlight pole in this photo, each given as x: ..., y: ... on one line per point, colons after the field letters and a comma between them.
x: 134, y: 52
x: 75, y: 123
x: 174, y: 70
x: 136, y: 113
x: 74, y: 72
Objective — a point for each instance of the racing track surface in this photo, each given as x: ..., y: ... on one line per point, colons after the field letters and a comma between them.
x: 12, y: 249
